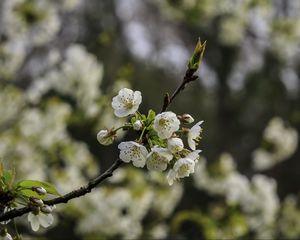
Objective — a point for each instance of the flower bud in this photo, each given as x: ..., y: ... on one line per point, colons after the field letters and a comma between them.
x: 39, y: 190
x: 137, y: 125
x: 46, y: 209
x: 36, y: 201
x: 196, y: 58
x: 35, y: 210
x: 186, y: 118
x: 106, y: 137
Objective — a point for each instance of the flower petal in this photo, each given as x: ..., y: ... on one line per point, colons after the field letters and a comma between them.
x: 45, y: 219
x: 34, y: 221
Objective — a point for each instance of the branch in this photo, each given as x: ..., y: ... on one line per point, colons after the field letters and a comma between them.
x: 189, y: 77
x: 65, y: 198
x: 193, y: 65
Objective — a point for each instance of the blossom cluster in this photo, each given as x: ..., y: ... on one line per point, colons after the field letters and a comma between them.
x: 159, y: 145
x: 256, y: 197
x: 278, y: 144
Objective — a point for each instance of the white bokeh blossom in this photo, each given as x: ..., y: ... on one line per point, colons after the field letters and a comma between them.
x: 165, y: 124
x: 132, y: 151
x: 158, y: 159
x: 126, y: 102
x: 194, y: 135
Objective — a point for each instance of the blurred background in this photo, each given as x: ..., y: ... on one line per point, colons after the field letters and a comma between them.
x: 61, y: 62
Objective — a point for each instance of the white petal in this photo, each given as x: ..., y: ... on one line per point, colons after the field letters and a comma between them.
x: 34, y: 221
x: 194, y: 155
x: 155, y: 163
x: 124, y: 157
x: 137, y: 97
x: 126, y: 93
x: 175, y: 145
x: 121, y: 112
x: 166, y: 127
x: 139, y: 162
x: 132, y: 151
x: 124, y: 145
x: 45, y: 219
x: 171, y: 177
x: 191, y: 143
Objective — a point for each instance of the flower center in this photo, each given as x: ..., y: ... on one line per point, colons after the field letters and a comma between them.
x: 163, y: 122
x: 128, y: 104
x: 183, y: 169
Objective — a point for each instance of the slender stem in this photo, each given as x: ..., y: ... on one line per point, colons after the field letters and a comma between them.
x: 122, y: 127
x: 141, y: 137
x: 188, y: 77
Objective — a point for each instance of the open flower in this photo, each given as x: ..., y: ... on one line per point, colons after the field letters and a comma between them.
x: 194, y: 135
x: 175, y: 145
x: 158, y: 159
x: 132, y: 151
x: 165, y: 124
x: 106, y: 137
x: 183, y: 167
x: 126, y: 102
x: 40, y: 219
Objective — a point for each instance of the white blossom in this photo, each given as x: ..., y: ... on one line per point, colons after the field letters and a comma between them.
x: 175, y: 145
x: 158, y: 159
x: 194, y: 135
x: 132, y: 151
x: 40, y: 219
x: 126, y: 102
x: 165, y: 124
x: 183, y: 167
x: 105, y: 137
x: 137, y: 125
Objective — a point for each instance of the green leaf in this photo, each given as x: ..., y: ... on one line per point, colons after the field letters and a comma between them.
x: 50, y: 188
x: 133, y: 120
x: 151, y: 115
x: 7, y: 176
x: 143, y: 116
x: 30, y: 193
x: 197, y: 56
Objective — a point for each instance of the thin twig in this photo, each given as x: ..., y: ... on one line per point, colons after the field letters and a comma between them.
x: 188, y: 77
